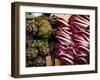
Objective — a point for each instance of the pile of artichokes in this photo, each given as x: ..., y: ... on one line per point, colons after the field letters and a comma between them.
x: 38, y: 30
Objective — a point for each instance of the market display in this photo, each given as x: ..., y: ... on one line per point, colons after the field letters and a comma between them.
x: 53, y: 40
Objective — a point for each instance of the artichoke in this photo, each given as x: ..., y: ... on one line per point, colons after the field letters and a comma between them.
x: 44, y: 50
x: 31, y: 27
x: 31, y: 53
x: 29, y: 63
x: 44, y: 27
x: 43, y: 47
x: 34, y: 43
x: 40, y: 61
x: 29, y: 40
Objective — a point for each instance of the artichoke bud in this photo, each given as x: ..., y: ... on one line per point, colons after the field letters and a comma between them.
x: 34, y: 29
x: 44, y: 27
x: 40, y: 61
x: 34, y: 44
x: 29, y: 63
x: 43, y: 48
x: 31, y: 27
x: 31, y: 53
x: 28, y: 41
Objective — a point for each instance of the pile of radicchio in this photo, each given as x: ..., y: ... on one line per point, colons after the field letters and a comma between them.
x: 72, y: 46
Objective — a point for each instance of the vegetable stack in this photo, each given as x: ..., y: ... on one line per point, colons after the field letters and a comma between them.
x: 72, y: 46
x: 38, y: 30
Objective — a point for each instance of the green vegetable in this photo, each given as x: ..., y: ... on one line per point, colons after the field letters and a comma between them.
x: 31, y: 27
x: 44, y: 27
x: 40, y: 61
x: 42, y: 46
x: 44, y: 49
x: 29, y: 63
x: 31, y: 53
